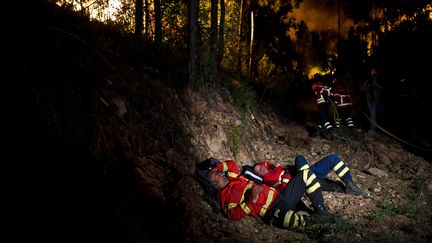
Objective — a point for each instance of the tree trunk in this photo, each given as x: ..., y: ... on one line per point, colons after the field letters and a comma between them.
x: 213, y: 39
x: 221, y: 46
x: 147, y: 19
x: 251, y: 43
x: 193, y: 9
x: 239, y: 60
x: 158, y: 23
x: 139, y: 17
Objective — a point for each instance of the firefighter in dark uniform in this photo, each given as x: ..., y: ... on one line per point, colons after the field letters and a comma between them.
x: 342, y: 99
x: 322, y: 91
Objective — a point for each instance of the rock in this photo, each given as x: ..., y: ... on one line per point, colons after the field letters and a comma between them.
x: 377, y: 172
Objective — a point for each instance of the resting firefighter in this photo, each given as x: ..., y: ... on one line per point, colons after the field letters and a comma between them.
x: 240, y: 197
x: 278, y: 177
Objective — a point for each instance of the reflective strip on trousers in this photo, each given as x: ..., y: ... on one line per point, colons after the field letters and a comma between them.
x: 338, y: 166
x: 304, y: 167
x: 308, y: 182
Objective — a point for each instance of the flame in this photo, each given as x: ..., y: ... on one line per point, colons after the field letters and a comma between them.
x: 317, y: 70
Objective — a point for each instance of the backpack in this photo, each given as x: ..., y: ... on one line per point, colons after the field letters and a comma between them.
x: 202, y: 169
x: 249, y: 173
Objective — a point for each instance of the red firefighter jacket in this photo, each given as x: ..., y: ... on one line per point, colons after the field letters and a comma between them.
x: 235, y: 198
x: 322, y: 92
x: 341, y: 96
x: 276, y: 177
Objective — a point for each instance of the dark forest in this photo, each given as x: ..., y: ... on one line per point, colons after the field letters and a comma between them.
x: 115, y: 102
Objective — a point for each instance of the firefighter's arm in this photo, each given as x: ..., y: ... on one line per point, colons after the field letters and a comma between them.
x: 245, y: 208
x: 236, y: 211
x: 273, y: 178
x: 230, y: 167
x: 278, y: 170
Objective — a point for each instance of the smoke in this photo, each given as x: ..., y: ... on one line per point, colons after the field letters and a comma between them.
x: 320, y: 16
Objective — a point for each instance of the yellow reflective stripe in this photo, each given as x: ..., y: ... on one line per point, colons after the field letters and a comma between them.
x: 225, y: 166
x: 343, y: 172
x: 268, y: 201
x: 313, y: 188
x: 277, y: 184
x: 232, y: 205
x: 302, y: 221
x: 285, y: 180
x: 306, y: 166
x: 305, y: 175
x: 310, y: 179
x: 232, y: 174
x: 245, y: 208
x: 287, y: 219
x: 295, y: 224
x: 249, y: 186
x: 338, y: 165
x: 262, y: 212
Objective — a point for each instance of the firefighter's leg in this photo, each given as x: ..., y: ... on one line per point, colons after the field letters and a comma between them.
x: 324, y: 116
x: 313, y: 190
x: 301, y: 163
x: 292, y: 193
x: 284, y: 215
x: 322, y: 168
x: 333, y: 162
x: 289, y: 220
x: 329, y: 163
x: 305, y: 181
x: 346, y: 114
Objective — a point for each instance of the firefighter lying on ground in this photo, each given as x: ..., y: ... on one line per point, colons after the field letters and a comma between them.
x: 278, y: 177
x: 240, y: 197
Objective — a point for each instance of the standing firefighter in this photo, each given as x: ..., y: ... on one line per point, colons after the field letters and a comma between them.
x: 373, y: 90
x: 342, y: 99
x: 322, y: 91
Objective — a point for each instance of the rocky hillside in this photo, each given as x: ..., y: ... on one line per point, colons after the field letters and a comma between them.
x: 117, y: 144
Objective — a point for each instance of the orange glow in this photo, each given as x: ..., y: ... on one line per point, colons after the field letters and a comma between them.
x: 320, y: 17
x: 95, y: 12
x: 316, y: 70
x: 429, y: 8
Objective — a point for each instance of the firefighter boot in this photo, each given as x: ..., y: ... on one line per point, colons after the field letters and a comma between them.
x: 320, y: 209
x: 321, y: 215
x: 353, y: 189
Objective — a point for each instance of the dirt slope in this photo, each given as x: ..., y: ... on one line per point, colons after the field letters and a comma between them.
x: 119, y: 146
x: 398, y: 209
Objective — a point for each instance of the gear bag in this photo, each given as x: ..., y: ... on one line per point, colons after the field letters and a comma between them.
x: 202, y: 169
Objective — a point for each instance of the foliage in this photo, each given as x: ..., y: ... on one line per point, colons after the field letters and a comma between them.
x: 386, y: 208
x: 244, y: 99
x: 237, y: 135
x: 267, y: 71
x: 418, y: 186
x: 334, y: 232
